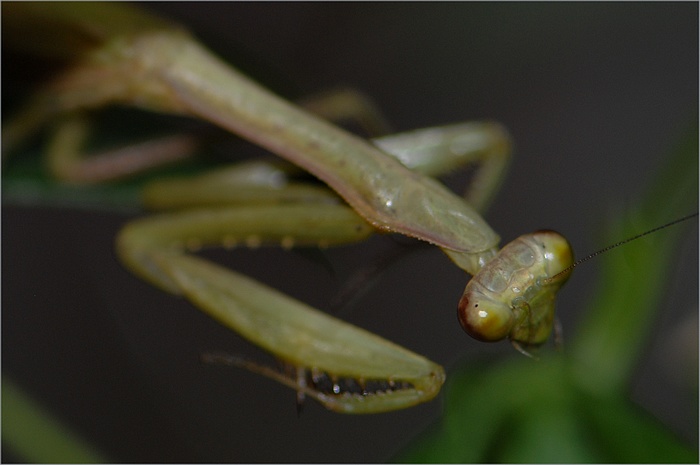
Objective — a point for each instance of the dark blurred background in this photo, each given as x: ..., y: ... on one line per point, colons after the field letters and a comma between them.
x: 595, y: 96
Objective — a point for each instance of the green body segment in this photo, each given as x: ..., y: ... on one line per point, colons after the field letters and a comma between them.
x: 289, y: 226
x: 306, y: 337
x: 162, y: 68
x: 246, y: 183
x: 378, y: 187
x: 292, y: 331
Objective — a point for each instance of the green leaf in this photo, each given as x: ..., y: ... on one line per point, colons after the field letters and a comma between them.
x: 572, y: 408
x: 33, y: 434
x: 631, y: 284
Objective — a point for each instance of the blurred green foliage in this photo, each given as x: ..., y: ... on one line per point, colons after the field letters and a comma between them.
x: 33, y: 434
x: 573, y: 406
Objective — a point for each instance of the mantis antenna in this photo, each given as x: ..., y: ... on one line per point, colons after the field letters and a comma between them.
x: 617, y: 244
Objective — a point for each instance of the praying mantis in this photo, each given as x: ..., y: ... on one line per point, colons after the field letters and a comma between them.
x: 144, y: 62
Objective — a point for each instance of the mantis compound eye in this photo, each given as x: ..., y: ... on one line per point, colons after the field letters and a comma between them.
x: 483, y: 319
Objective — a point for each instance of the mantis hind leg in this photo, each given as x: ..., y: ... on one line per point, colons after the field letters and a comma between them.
x: 68, y: 162
x: 348, y: 105
x: 438, y: 150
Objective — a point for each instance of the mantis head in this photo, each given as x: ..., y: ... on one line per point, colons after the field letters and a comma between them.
x: 513, y: 296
